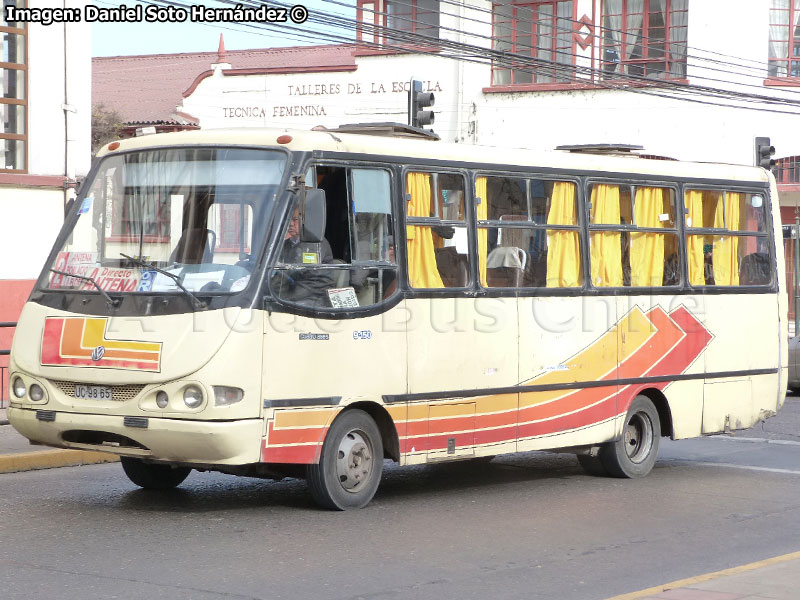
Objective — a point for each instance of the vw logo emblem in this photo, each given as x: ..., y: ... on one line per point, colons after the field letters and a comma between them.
x: 98, y: 353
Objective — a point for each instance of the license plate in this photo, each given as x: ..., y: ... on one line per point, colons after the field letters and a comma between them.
x: 93, y: 392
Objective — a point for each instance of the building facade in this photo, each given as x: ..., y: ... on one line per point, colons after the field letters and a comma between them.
x: 45, y: 118
x: 679, y: 77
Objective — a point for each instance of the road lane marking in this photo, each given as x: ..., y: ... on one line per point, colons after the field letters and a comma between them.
x: 683, y: 583
x: 754, y: 440
x: 708, y: 463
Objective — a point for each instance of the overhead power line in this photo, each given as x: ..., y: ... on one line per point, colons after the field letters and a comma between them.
x: 593, y: 78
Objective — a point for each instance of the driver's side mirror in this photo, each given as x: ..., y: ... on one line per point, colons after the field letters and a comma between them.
x: 314, y: 213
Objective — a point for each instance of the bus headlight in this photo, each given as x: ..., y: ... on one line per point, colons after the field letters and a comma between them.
x: 36, y: 392
x: 19, y: 387
x: 192, y: 396
x: 162, y: 399
x: 225, y: 396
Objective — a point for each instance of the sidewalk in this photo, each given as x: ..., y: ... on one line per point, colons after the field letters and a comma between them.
x: 17, y: 454
x: 776, y: 578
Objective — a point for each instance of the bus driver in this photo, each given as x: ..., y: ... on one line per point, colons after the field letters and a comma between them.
x: 301, y: 282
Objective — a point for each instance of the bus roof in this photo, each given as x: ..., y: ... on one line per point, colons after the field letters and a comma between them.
x: 334, y: 141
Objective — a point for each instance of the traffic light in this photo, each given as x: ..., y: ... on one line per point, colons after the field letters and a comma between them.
x: 417, y: 102
x: 764, y: 153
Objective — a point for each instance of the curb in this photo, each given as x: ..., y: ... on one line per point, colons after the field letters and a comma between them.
x: 50, y: 459
x: 685, y: 584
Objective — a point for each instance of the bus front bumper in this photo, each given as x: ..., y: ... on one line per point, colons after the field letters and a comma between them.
x: 171, y: 440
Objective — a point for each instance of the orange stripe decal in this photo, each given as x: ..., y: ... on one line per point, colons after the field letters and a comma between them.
x: 84, y: 342
x: 652, y: 343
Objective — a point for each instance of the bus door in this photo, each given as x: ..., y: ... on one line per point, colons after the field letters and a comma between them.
x: 315, y: 360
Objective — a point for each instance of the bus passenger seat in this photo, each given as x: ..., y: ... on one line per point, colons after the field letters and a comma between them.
x: 505, y: 266
x: 193, y: 248
x: 452, y: 267
x: 536, y: 272
x: 754, y: 269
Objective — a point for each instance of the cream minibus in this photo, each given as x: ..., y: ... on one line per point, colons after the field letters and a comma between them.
x: 275, y: 303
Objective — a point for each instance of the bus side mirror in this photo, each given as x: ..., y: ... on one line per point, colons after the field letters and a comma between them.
x: 314, y: 213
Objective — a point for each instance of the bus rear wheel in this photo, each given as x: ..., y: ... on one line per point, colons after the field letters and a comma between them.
x: 635, y: 453
x: 153, y: 476
x: 351, y: 463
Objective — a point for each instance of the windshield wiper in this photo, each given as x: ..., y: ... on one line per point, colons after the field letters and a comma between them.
x: 111, y: 301
x: 142, y: 263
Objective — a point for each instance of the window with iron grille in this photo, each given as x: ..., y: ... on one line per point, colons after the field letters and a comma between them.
x: 233, y: 226
x: 13, y: 92
x: 784, y: 38
x: 644, y: 38
x: 419, y: 17
x: 134, y: 212
x: 536, y: 41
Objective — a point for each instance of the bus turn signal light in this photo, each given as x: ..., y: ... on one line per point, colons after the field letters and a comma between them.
x: 225, y: 396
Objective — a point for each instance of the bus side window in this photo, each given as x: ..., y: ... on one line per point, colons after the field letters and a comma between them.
x: 632, y: 236
x: 727, y: 238
x: 232, y: 223
x: 438, y: 254
x: 517, y: 245
x: 374, y: 271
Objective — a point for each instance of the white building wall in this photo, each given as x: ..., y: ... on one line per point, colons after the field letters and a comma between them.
x: 32, y: 205
x: 49, y: 59
x: 31, y: 219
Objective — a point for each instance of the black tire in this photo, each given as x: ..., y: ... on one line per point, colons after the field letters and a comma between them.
x: 592, y: 465
x: 351, y: 463
x: 795, y: 390
x: 153, y: 476
x: 483, y: 460
x: 635, y: 453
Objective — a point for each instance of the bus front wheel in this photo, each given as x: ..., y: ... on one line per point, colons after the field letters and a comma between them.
x: 153, y: 476
x: 351, y: 463
x: 635, y: 453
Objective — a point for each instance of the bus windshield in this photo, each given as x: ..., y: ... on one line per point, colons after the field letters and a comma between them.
x: 170, y: 219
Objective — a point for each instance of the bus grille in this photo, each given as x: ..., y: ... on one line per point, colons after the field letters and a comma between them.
x: 119, y: 393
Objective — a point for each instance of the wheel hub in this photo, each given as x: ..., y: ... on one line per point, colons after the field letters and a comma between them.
x: 354, y: 461
x: 638, y: 437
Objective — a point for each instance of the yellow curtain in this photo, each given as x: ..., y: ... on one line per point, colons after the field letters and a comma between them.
x: 606, y: 246
x: 694, y: 243
x: 483, y: 239
x: 647, y: 249
x: 563, y: 247
x: 726, y: 248
x: 422, y: 270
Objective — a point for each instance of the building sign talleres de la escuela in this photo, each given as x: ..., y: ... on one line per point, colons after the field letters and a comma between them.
x: 316, y: 100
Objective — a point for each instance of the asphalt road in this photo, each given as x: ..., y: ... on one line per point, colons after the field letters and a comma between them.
x: 530, y: 526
